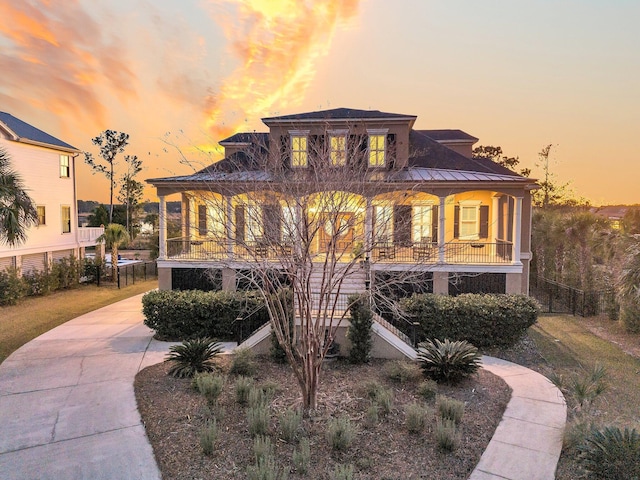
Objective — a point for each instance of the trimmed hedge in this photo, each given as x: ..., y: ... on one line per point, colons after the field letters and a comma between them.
x: 485, y: 320
x: 189, y: 314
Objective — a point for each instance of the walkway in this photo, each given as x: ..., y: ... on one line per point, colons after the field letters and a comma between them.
x: 528, y: 440
x: 67, y: 404
x: 68, y: 409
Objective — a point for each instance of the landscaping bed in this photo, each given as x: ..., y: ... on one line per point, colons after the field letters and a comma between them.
x: 174, y: 414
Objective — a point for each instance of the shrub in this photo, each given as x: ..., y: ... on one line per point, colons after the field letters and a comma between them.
x: 371, y: 416
x: 450, y: 409
x: 193, y: 356
x: 38, y: 283
x: 209, y: 385
x: 243, y: 363
x: 416, y: 417
x: 175, y: 314
x: 447, y: 436
x: 428, y: 389
x: 360, y: 329
x: 265, y: 469
x: 243, y: 387
x: 262, y: 448
x: 257, y: 397
x: 402, y: 371
x: 612, y: 453
x: 380, y: 396
x: 258, y: 420
x: 485, y: 320
x: 340, y: 433
x: 448, y: 361
x: 342, y: 472
x: 302, y: 457
x: 12, y: 288
x: 290, y: 422
x: 208, y: 437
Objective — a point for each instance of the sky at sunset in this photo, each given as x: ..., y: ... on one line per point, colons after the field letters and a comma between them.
x: 179, y: 76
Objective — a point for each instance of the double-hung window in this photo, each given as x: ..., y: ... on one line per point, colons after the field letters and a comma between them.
x: 42, y: 216
x: 383, y: 223
x: 299, y: 149
x: 64, y: 166
x: 338, y: 148
x: 65, y: 212
x: 422, y: 216
x: 469, y: 220
x: 377, y: 147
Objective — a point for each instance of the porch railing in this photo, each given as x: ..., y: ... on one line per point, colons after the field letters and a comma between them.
x: 498, y: 252
x: 88, y: 235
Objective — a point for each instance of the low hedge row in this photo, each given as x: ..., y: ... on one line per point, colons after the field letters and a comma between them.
x: 485, y: 320
x: 188, y: 314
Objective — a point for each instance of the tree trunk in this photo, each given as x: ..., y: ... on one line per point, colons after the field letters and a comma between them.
x: 111, y: 195
x: 114, y: 263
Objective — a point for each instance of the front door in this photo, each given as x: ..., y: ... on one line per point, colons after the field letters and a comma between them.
x: 336, y: 228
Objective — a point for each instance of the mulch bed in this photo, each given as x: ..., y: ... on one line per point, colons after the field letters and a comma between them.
x: 174, y: 414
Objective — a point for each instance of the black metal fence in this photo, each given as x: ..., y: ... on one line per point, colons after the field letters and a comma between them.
x: 128, y: 274
x: 556, y: 297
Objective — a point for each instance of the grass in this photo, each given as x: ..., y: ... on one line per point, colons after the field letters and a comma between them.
x: 34, y: 316
x: 570, y: 347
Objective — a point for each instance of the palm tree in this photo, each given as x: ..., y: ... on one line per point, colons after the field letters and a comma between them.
x: 17, y: 211
x: 629, y: 289
x: 114, y: 235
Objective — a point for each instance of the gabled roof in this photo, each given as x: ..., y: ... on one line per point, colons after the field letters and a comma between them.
x: 21, y: 131
x: 246, y: 138
x: 445, y: 136
x: 339, y: 114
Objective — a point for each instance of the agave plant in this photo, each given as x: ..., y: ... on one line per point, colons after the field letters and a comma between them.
x: 193, y: 356
x: 612, y: 453
x: 448, y: 361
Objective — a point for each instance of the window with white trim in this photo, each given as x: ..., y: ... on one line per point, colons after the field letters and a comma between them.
x: 338, y: 149
x: 64, y: 166
x: 377, y: 150
x: 422, y: 217
x: 469, y: 220
x: 42, y: 216
x: 65, y: 214
x: 288, y: 223
x: 299, y: 150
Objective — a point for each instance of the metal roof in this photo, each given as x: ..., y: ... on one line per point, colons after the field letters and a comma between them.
x: 27, y: 133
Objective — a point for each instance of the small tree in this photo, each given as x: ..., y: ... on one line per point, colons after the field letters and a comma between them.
x: 111, y: 143
x: 17, y: 211
x: 629, y: 289
x: 114, y: 235
x: 131, y: 190
x: 495, y: 155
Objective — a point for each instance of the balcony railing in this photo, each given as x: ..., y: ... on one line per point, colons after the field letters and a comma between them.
x: 88, y: 235
x: 499, y: 252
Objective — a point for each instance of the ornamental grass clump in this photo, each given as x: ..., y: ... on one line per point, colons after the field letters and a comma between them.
x: 448, y: 361
x: 243, y: 387
x: 611, y: 453
x: 342, y: 472
x: 262, y: 448
x: 302, y: 456
x: 428, y: 389
x: 416, y: 417
x: 258, y: 420
x: 290, y: 422
x: 210, y: 386
x: 243, y: 362
x: 450, y: 409
x: 340, y: 433
x: 193, y: 356
x: 447, y: 436
x: 208, y: 437
x: 402, y: 371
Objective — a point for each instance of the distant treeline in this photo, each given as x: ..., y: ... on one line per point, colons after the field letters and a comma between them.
x: 87, y: 206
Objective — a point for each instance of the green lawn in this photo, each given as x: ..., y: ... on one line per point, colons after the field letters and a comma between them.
x: 568, y: 346
x: 35, y: 315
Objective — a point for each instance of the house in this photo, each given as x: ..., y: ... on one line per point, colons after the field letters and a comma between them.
x: 47, y: 168
x: 432, y: 208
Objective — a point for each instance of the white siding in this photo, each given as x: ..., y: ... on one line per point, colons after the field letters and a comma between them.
x: 7, y: 262
x: 60, y: 254
x: 34, y: 261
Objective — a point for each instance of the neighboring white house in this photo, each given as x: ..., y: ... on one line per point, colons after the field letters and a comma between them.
x: 47, y: 168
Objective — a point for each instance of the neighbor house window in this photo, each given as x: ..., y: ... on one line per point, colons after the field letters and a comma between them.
x: 66, y: 219
x: 254, y: 223
x: 338, y: 149
x: 64, y: 166
x: 202, y: 220
x: 383, y: 223
x: 469, y: 220
x: 377, y: 149
x: 422, y: 216
x: 299, y: 150
x: 42, y: 217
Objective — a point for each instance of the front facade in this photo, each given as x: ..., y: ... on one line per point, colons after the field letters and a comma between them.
x: 395, y: 198
x: 47, y: 168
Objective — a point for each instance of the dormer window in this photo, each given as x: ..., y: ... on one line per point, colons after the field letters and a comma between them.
x: 377, y: 146
x: 299, y: 149
x: 338, y: 148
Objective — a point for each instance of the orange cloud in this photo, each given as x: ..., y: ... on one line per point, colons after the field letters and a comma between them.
x: 61, y: 54
x: 277, y: 44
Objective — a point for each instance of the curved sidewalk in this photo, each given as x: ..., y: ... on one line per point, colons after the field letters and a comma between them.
x: 67, y: 404
x: 68, y: 408
x: 527, y: 443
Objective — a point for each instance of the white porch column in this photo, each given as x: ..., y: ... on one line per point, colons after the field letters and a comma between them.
x: 517, y: 229
x: 162, y: 224
x: 368, y: 227
x: 495, y: 216
x: 229, y: 226
x: 441, y: 232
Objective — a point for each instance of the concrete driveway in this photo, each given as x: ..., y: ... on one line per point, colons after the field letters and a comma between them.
x: 67, y: 403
